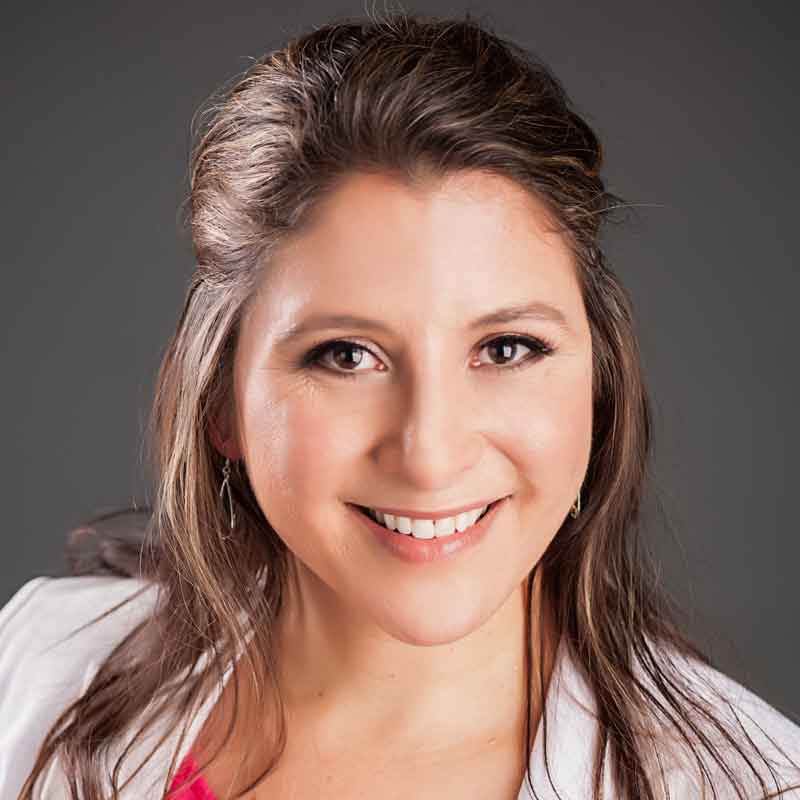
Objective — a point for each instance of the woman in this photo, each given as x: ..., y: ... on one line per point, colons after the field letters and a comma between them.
x: 412, y: 571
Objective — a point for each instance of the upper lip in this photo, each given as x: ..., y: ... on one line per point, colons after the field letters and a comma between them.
x: 448, y: 512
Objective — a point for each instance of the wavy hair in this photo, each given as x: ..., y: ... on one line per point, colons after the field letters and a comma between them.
x: 419, y: 98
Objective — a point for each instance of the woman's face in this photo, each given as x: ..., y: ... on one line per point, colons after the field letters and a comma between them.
x: 419, y: 407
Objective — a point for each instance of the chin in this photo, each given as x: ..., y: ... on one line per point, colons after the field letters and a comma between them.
x: 433, y: 628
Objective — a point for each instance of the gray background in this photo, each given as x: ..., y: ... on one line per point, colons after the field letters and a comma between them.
x: 697, y: 108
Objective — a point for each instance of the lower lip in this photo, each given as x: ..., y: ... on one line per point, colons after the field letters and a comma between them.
x: 424, y: 550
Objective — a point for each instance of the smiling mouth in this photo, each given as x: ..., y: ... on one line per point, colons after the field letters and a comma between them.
x: 446, y: 526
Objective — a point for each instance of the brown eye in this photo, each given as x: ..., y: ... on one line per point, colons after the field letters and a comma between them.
x: 507, y: 348
x: 341, y: 357
x: 346, y: 354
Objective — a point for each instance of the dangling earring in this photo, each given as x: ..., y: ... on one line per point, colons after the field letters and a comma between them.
x: 576, y: 508
x: 226, y: 484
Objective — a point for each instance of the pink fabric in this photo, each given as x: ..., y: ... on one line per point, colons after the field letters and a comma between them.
x: 198, y: 789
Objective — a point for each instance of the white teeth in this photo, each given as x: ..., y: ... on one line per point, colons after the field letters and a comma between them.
x: 428, y: 528
x: 445, y: 526
x: 422, y: 528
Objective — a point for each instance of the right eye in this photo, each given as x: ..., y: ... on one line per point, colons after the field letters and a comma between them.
x: 342, y: 352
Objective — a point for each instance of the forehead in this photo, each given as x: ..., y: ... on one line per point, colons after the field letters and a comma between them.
x: 450, y: 249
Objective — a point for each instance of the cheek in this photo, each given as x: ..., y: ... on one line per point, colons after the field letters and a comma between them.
x: 297, y: 437
x: 294, y: 447
x: 549, y: 434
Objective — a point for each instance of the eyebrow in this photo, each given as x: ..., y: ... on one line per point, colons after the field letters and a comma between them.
x: 536, y: 310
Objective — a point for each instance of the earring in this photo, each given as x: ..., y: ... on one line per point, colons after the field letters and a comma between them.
x: 226, y: 484
x: 576, y: 508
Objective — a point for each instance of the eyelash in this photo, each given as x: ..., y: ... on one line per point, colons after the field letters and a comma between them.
x: 540, y: 347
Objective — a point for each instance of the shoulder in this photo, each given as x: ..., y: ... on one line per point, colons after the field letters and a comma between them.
x: 752, y: 722
x: 45, y: 619
x: 50, y: 648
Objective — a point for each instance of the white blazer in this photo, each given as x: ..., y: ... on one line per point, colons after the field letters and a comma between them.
x: 42, y: 671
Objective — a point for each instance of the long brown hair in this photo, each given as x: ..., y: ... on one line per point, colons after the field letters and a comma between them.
x: 417, y: 97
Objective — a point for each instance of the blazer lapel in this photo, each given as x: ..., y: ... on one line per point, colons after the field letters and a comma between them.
x: 572, y: 732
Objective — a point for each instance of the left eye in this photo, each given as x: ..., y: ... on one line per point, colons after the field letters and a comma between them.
x: 508, y: 346
x: 505, y: 347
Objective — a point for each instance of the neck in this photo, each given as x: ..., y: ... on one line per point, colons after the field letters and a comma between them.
x: 353, y: 683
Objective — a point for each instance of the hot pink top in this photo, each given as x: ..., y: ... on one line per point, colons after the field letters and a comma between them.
x: 198, y: 789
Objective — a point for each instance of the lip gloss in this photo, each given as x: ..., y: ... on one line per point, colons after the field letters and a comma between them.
x: 422, y: 551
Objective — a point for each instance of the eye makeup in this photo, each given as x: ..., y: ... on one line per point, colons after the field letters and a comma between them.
x: 314, y: 359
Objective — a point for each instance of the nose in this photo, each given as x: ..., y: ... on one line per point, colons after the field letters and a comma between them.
x: 434, y: 433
